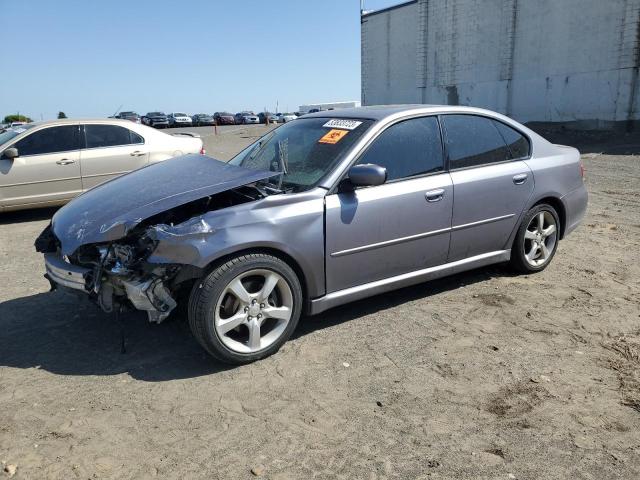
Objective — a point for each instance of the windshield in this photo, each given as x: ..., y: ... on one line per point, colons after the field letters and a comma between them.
x: 12, y: 132
x: 305, y: 151
x: 180, y: 115
x: 155, y: 114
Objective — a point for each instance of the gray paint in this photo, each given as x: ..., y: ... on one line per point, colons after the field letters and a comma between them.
x: 348, y: 245
x: 534, y: 60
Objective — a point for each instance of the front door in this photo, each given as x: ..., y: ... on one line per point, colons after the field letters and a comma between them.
x: 398, y: 227
x: 111, y: 151
x: 46, y: 170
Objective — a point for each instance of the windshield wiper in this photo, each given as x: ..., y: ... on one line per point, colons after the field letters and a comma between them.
x: 264, y: 188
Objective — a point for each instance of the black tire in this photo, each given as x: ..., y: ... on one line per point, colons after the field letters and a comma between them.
x: 518, y: 259
x: 207, y: 291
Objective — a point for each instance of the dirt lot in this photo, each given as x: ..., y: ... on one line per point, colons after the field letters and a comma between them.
x: 482, y: 375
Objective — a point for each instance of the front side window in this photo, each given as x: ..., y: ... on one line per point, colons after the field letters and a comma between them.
x: 303, y: 152
x: 517, y: 143
x: 98, y: 136
x: 472, y: 141
x: 50, y: 140
x: 406, y: 149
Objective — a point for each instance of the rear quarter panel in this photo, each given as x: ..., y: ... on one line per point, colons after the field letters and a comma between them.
x: 556, y: 170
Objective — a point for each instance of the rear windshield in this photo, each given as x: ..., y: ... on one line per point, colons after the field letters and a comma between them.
x: 304, y: 151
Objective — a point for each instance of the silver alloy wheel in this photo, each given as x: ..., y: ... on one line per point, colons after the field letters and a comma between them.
x: 253, y: 311
x: 540, y: 239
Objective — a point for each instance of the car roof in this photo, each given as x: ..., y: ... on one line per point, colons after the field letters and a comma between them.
x: 380, y: 112
x: 73, y: 121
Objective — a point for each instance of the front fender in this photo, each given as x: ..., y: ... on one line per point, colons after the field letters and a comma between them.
x: 296, y: 229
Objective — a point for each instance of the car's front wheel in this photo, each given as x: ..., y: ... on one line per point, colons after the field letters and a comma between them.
x: 246, y: 308
x: 537, y: 239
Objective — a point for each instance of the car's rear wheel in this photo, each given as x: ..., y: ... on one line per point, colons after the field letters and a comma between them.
x: 246, y: 308
x: 537, y: 239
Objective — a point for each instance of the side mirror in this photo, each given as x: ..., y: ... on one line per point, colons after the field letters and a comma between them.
x: 367, y: 175
x: 10, y: 153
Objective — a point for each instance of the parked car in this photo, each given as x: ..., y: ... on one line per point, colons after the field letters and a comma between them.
x: 322, y: 211
x: 155, y: 120
x: 48, y: 163
x: 178, y: 119
x: 131, y: 116
x: 224, y: 118
x: 202, y: 119
x: 17, y: 124
x: 287, y: 117
x: 243, y: 118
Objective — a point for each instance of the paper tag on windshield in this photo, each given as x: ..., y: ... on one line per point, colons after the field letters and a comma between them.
x: 344, y: 124
x: 333, y: 136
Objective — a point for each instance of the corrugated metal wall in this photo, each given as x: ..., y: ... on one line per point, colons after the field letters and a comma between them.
x: 535, y: 60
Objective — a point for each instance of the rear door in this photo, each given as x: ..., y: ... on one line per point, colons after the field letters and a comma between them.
x: 110, y: 151
x: 47, y: 169
x: 491, y: 183
x: 398, y: 227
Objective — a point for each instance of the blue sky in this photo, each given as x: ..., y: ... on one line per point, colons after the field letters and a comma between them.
x: 87, y: 58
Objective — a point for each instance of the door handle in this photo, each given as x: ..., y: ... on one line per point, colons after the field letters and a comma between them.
x: 434, y: 195
x: 137, y: 153
x: 65, y: 161
x: 520, y: 178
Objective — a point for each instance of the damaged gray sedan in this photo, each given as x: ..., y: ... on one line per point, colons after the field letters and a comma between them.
x: 331, y: 208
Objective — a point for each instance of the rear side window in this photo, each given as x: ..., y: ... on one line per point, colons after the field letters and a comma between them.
x: 406, y: 149
x: 50, y: 140
x: 110, y: 136
x: 517, y: 143
x: 472, y: 141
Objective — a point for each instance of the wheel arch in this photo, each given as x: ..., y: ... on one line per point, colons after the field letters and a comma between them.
x: 559, y: 207
x: 285, y: 257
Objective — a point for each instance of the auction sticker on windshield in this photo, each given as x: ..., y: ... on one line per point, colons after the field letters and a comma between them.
x: 344, y: 124
x: 333, y: 136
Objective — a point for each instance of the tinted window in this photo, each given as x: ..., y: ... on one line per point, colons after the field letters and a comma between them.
x: 408, y: 148
x: 473, y: 140
x: 517, y: 143
x: 109, y: 136
x: 135, y: 138
x: 49, y: 140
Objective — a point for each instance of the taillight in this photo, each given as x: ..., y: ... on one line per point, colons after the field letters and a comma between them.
x: 203, y: 151
x: 582, y: 169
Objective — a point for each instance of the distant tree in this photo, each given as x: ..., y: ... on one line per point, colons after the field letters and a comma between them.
x: 62, y: 115
x: 17, y: 118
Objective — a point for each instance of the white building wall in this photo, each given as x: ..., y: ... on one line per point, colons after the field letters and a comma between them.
x: 535, y: 60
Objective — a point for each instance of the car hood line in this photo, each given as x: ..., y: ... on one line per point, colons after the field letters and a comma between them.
x: 109, y: 211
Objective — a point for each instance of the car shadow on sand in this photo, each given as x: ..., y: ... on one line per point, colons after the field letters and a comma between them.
x: 66, y: 335
x: 23, y: 216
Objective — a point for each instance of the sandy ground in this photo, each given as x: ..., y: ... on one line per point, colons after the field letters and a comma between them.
x: 481, y: 375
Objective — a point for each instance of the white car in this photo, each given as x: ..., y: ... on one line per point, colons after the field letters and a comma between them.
x: 286, y: 117
x: 46, y: 164
x: 178, y: 119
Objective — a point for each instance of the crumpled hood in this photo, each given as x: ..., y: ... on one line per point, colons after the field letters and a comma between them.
x: 109, y: 211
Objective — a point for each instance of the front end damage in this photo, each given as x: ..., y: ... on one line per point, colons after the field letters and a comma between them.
x: 119, y: 274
